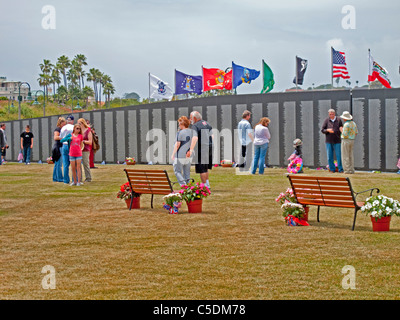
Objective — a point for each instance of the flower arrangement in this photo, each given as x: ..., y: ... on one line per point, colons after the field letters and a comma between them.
x: 126, y: 193
x: 130, y: 160
x: 288, y: 196
x: 295, y: 165
x: 194, y: 191
x: 381, y: 206
x: 294, y: 214
x: 173, y: 202
x: 293, y: 209
x: 49, y: 160
x: 227, y: 163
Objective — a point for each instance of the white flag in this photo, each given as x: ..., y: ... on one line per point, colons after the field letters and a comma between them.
x: 159, y: 89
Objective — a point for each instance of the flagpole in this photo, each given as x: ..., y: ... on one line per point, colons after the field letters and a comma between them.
x: 369, y: 67
x: 297, y: 72
x: 233, y: 79
x: 149, y: 87
x: 175, y: 79
x: 262, y: 68
x: 332, y: 67
x: 202, y: 79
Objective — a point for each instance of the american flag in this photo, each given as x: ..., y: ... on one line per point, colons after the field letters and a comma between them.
x: 339, y: 69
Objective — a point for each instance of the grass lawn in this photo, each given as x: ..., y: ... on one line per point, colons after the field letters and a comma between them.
x: 238, y: 248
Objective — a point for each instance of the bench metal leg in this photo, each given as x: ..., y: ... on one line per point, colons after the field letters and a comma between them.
x: 355, y: 216
x: 130, y: 206
x: 152, y: 200
x: 318, y: 214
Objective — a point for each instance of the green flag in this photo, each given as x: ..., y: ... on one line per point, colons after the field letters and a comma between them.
x: 268, y: 78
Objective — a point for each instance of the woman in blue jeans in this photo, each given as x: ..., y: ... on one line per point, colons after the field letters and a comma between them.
x: 57, y: 172
x: 261, y: 140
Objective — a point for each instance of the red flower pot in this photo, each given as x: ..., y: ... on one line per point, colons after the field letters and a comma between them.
x: 195, y: 206
x: 382, y: 224
x: 305, y: 218
x: 135, y: 204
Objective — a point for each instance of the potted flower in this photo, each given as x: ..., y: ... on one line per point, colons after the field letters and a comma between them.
x: 125, y: 193
x: 50, y: 160
x: 130, y: 161
x: 289, y: 197
x: 227, y: 163
x: 173, y: 202
x: 193, y: 194
x: 294, y: 214
x: 381, y: 208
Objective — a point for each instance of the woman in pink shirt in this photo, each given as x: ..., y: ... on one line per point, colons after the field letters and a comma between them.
x: 75, y: 155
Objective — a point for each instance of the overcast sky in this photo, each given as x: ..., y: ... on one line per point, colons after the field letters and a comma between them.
x: 128, y: 39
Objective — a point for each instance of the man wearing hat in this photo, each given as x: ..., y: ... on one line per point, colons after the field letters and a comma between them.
x: 349, y: 133
x: 67, y: 129
x: 245, y: 137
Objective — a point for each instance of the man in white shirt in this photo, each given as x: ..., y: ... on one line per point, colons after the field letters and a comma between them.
x: 67, y: 129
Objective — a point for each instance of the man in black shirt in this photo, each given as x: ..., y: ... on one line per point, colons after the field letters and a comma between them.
x: 202, y: 136
x: 332, y: 130
x: 27, y: 144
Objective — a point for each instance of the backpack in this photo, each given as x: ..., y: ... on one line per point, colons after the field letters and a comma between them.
x: 95, y: 142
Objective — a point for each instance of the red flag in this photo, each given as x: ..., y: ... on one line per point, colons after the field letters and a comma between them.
x: 216, y: 79
x: 228, y: 80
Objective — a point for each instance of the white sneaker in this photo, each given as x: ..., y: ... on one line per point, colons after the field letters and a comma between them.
x: 73, y: 184
x: 78, y: 184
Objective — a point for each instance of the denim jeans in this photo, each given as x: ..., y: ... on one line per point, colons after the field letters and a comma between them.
x: 65, y: 161
x: 57, y: 171
x: 27, y: 154
x: 182, y: 170
x: 260, y: 152
x: 334, y: 148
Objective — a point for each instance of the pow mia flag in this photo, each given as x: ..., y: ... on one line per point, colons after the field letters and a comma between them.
x: 301, y: 67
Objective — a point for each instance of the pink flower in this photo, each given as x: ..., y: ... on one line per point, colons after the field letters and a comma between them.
x: 191, y: 188
x: 201, y: 185
x: 197, y: 191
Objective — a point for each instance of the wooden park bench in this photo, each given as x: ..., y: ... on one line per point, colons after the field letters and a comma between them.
x: 149, y: 182
x: 326, y: 191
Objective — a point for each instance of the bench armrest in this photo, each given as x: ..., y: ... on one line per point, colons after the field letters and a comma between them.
x: 371, y: 190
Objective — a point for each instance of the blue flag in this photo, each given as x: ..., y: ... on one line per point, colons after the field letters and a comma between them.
x: 243, y: 75
x: 185, y: 83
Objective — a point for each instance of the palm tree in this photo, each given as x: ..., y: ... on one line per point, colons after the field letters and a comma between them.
x: 62, y: 93
x: 81, y: 61
x: 86, y: 93
x: 92, y: 77
x: 46, y: 68
x: 55, y: 79
x: 63, y: 64
x: 99, y: 75
x: 44, y: 80
x: 108, y: 91
x: 72, y: 76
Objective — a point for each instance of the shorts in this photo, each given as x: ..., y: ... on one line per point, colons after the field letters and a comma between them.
x: 202, y: 168
x: 71, y: 158
x: 3, y: 152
